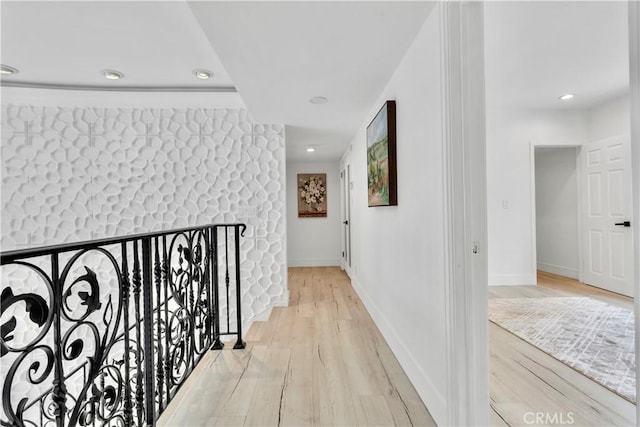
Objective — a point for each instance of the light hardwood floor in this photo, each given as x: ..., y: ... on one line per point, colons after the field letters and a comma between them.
x: 525, y: 380
x: 321, y: 361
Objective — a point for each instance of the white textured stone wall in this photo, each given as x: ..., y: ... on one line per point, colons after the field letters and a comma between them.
x: 74, y: 174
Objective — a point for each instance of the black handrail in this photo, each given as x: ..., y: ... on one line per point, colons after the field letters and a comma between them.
x: 106, y: 331
x: 9, y: 256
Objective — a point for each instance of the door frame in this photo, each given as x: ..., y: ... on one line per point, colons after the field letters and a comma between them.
x: 534, y: 224
x: 634, y: 98
x: 345, y: 165
x: 468, y: 387
x: 465, y: 212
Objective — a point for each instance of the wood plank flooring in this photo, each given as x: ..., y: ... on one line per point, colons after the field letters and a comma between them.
x: 525, y: 381
x: 319, y: 362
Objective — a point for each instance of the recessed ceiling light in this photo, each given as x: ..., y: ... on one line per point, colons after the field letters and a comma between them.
x: 112, y: 74
x: 5, y: 70
x: 318, y: 100
x: 566, y: 97
x: 310, y: 149
x: 203, y: 74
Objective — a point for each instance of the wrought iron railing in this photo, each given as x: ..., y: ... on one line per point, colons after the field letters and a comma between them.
x: 105, y: 332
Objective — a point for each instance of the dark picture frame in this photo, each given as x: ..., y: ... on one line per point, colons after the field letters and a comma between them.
x: 381, y: 157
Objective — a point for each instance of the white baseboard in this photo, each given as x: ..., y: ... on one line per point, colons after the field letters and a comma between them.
x: 348, y: 270
x: 512, y: 279
x: 264, y: 315
x: 557, y: 269
x: 433, y: 399
x: 328, y: 262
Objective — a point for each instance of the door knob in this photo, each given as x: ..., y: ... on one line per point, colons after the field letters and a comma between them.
x: 345, y: 222
x: 624, y: 224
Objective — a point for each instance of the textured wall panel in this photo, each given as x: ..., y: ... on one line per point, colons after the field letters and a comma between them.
x: 73, y: 174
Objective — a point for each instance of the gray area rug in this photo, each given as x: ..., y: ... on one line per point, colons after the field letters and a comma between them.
x: 594, y: 338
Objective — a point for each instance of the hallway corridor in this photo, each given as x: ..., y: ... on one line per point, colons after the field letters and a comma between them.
x: 321, y: 361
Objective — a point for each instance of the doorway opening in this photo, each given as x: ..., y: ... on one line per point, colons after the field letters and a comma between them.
x: 557, y: 213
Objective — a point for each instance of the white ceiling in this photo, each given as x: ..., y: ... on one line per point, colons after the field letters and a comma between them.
x: 280, y: 54
x: 537, y: 51
x: 70, y: 42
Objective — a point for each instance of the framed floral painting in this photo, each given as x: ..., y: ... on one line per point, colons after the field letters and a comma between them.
x: 312, y: 195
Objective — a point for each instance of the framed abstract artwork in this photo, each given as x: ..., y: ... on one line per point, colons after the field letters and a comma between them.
x: 312, y: 195
x: 381, y: 157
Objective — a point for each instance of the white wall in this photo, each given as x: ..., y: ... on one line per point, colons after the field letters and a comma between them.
x: 398, y: 264
x: 557, y: 210
x: 609, y: 119
x: 88, y: 172
x: 510, y: 135
x: 314, y: 241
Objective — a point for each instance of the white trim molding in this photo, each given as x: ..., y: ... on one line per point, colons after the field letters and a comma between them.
x: 328, y: 262
x: 263, y: 316
x: 115, y: 99
x: 634, y: 97
x: 116, y: 88
x: 559, y: 270
x: 465, y: 213
x: 533, y: 217
x: 512, y: 279
x: 532, y: 277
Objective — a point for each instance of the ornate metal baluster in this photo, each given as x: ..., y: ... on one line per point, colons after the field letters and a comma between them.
x: 190, y: 348
x: 128, y: 412
x: 201, y: 296
x: 115, y: 391
x: 217, y: 344
x: 157, y: 270
x: 226, y: 276
x: 207, y: 284
x: 136, y: 299
x: 101, y: 401
x: 148, y: 330
x: 239, y: 344
x: 167, y: 332
x: 59, y: 394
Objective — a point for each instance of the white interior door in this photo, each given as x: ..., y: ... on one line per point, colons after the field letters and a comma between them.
x: 608, y: 254
x: 345, y: 176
